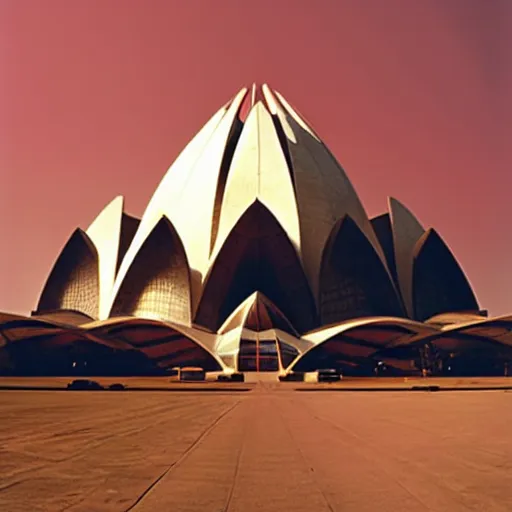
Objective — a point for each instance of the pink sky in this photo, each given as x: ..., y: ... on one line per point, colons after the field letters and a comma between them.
x: 98, y: 97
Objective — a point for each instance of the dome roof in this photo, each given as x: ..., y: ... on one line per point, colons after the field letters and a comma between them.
x: 273, y: 157
x: 256, y: 206
x: 256, y: 254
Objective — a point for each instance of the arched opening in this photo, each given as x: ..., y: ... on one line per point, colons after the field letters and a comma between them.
x: 157, y: 284
x: 257, y: 256
x: 353, y: 281
x: 165, y: 346
x: 439, y: 285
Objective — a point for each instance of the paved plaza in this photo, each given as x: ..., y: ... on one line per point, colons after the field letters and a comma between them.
x: 270, y: 448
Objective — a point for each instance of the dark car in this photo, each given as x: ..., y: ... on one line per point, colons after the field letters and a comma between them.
x: 192, y: 374
x: 329, y: 375
x: 232, y: 377
x: 117, y: 386
x: 84, y: 384
x: 292, y: 377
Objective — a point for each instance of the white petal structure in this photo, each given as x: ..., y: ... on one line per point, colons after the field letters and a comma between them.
x: 259, y: 172
x: 73, y: 283
x: 255, y: 253
x: 186, y: 194
x: 105, y: 234
x: 157, y: 284
x: 406, y: 232
x: 273, y: 158
x: 324, y: 194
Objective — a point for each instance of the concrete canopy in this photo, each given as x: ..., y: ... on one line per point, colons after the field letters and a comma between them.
x: 356, y: 342
x: 258, y: 314
x: 166, y: 344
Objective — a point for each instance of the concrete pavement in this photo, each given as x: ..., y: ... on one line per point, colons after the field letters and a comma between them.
x: 269, y: 449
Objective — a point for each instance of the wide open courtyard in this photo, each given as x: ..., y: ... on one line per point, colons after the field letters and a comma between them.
x: 269, y: 448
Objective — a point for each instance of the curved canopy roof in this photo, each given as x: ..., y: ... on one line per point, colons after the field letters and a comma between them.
x: 16, y: 329
x: 355, y: 342
x: 477, y: 332
x: 165, y: 343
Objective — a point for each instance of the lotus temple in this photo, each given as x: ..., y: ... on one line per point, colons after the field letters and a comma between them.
x: 255, y: 254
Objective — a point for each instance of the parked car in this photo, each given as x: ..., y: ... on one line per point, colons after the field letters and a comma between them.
x: 117, y: 386
x: 329, y: 375
x: 192, y: 374
x: 231, y: 377
x: 292, y: 377
x: 84, y: 384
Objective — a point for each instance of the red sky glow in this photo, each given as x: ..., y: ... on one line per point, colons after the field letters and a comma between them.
x: 98, y: 97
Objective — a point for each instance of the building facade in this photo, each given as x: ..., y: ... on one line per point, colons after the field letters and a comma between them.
x: 256, y: 254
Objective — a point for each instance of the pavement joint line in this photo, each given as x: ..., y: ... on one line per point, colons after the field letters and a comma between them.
x: 182, y: 457
x: 374, y: 447
x: 237, y: 468
x: 354, y: 435
x: 79, y: 454
x: 304, y: 459
x: 434, y: 444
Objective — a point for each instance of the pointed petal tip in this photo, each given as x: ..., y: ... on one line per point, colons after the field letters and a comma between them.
x: 270, y: 99
x: 117, y: 200
x: 393, y: 202
x: 293, y: 113
x: 265, y: 87
x: 394, y: 205
x: 241, y: 93
x: 116, y: 204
